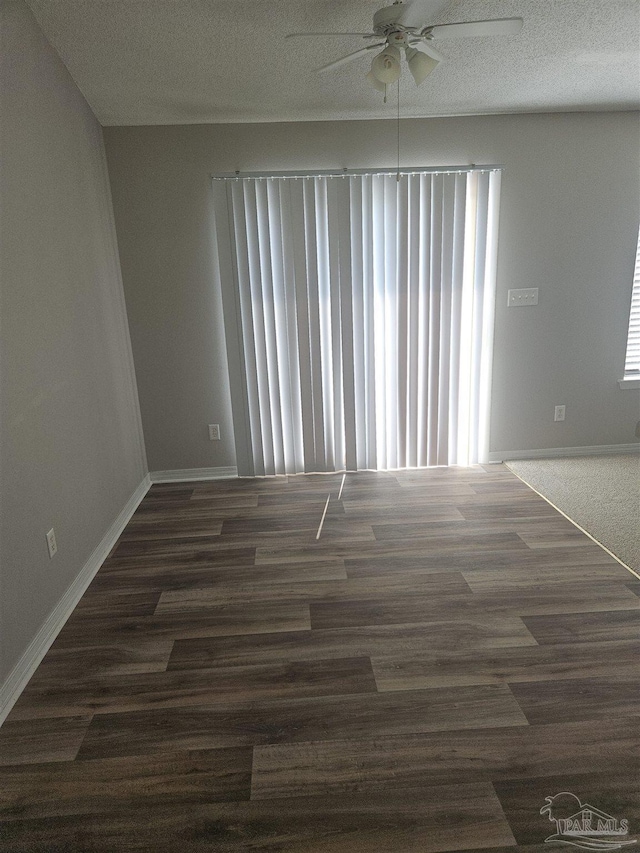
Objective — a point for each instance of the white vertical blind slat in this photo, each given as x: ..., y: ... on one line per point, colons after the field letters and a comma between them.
x: 379, y: 343
x: 319, y: 456
x: 478, y: 307
x: 369, y: 294
x: 359, y: 315
x: 390, y: 236
x: 413, y: 317
x: 249, y: 342
x: 284, y: 305
x: 338, y: 268
x: 297, y: 322
x: 348, y: 431
x: 305, y: 433
x: 457, y: 270
x: 270, y: 274
x: 488, y: 314
x: 356, y: 444
x: 424, y: 252
x: 435, y: 287
x: 325, y: 271
x: 255, y: 234
x: 444, y: 321
x: 402, y: 317
x: 465, y: 369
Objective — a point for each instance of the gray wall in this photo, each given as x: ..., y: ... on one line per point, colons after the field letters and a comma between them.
x: 71, y: 444
x: 570, y: 211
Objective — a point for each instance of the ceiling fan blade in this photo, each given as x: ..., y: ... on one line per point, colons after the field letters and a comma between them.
x: 314, y: 35
x: 499, y: 27
x: 349, y: 57
x: 418, y: 12
x: 425, y: 46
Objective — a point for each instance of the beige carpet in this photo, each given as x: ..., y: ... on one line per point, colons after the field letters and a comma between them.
x: 600, y: 493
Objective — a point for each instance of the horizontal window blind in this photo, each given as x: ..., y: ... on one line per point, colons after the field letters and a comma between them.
x: 358, y: 318
x: 632, y: 360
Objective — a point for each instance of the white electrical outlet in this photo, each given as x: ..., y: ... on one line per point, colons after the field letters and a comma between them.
x: 214, y: 432
x: 51, y: 543
x: 523, y: 296
x: 559, y: 413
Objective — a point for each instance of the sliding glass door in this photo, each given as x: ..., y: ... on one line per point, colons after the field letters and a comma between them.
x: 358, y: 318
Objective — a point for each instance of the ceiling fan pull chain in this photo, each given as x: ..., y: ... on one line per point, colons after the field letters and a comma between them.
x: 398, y: 172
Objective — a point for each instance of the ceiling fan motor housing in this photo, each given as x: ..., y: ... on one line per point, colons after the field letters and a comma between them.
x: 385, y: 20
x: 396, y: 38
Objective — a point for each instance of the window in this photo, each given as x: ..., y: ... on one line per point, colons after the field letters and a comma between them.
x: 358, y: 316
x: 632, y: 360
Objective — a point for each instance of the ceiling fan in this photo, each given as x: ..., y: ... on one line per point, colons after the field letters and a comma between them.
x: 403, y: 27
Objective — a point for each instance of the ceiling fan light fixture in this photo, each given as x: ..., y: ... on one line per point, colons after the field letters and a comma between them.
x: 385, y: 67
x: 381, y: 87
x: 420, y: 65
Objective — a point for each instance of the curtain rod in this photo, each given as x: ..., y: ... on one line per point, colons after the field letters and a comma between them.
x: 346, y: 173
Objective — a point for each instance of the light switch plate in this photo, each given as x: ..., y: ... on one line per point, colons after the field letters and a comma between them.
x: 52, y: 545
x: 523, y: 296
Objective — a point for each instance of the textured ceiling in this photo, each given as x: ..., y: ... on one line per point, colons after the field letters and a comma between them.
x: 219, y: 61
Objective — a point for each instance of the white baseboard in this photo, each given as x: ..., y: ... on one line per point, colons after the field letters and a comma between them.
x: 49, y: 630
x: 188, y: 474
x: 554, y: 452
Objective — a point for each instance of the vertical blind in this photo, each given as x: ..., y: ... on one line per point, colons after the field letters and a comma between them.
x: 358, y: 318
x: 632, y: 360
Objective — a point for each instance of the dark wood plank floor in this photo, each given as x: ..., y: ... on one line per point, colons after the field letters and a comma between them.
x: 450, y: 652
